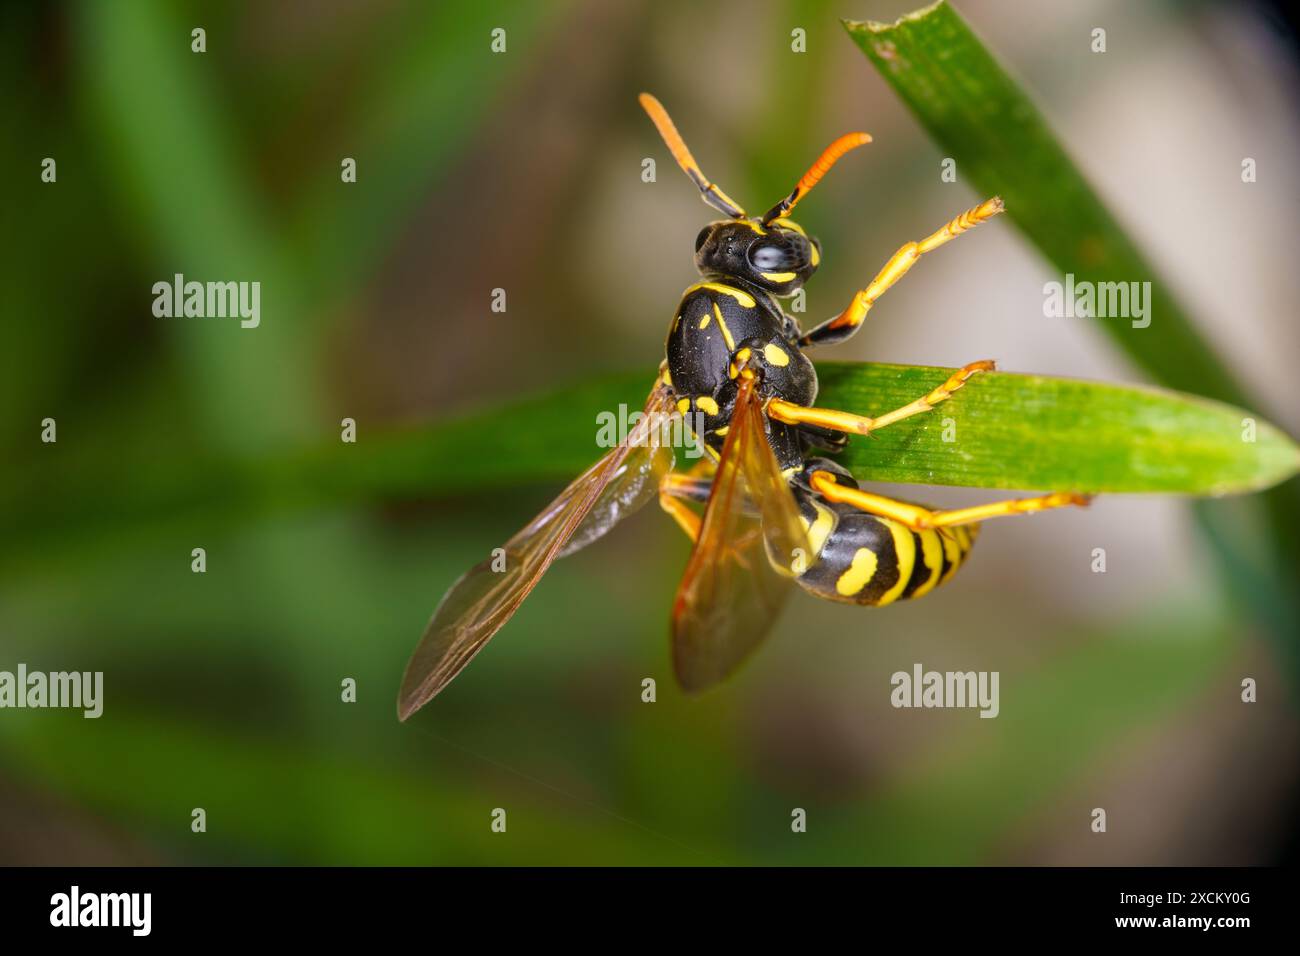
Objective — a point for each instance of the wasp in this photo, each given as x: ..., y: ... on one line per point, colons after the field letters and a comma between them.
x: 777, y: 511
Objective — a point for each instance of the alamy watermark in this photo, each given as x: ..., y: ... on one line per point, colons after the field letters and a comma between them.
x: 1098, y: 300
x: 679, y: 430
x: 922, y: 688
x: 76, y: 690
x: 209, y: 300
x: 75, y: 908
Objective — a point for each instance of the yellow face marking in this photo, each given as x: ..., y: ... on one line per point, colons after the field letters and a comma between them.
x: 707, y: 405
x: 777, y: 276
x: 816, y: 256
x: 859, y: 574
x: 722, y: 325
x: 744, y: 298
x: 704, y: 322
x: 776, y: 355
x: 905, y: 549
x: 683, y: 405
x: 932, y: 558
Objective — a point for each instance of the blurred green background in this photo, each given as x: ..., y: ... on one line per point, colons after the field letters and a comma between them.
x: 522, y: 171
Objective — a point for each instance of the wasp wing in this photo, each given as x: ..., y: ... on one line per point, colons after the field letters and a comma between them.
x: 636, y: 479
x: 731, y: 593
x: 488, y: 594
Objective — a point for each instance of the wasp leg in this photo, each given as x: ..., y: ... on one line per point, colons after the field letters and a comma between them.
x: 829, y: 418
x: 847, y: 322
x: 919, y: 519
x: 675, y: 490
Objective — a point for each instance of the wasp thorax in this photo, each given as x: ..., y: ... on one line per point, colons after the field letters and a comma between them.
x: 777, y: 257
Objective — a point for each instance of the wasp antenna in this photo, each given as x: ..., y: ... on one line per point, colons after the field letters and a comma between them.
x: 710, y: 192
x: 830, y: 155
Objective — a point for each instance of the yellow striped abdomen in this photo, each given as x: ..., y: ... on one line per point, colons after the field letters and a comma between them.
x: 859, y: 558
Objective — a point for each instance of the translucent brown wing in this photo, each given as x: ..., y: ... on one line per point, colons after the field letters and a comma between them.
x: 731, y: 593
x: 488, y: 594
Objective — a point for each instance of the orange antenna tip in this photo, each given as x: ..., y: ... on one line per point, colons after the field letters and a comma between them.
x: 829, y: 157
x: 710, y: 192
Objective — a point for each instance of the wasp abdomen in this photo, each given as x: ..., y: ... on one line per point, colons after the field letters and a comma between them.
x: 859, y: 558
x: 864, y: 559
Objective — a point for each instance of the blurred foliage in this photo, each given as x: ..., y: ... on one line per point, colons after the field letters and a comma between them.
x: 983, y: 118
x: 292, y: 799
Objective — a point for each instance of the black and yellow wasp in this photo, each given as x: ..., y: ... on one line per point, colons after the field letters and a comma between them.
x: 776, y: 511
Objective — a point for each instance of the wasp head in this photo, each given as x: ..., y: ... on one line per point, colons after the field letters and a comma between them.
x: 778, y: 257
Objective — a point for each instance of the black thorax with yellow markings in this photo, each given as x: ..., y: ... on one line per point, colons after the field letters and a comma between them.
x: 719, y: 326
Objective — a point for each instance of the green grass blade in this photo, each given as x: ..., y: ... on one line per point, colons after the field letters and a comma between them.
x: 1035, y: 432
x: 1007, y: 431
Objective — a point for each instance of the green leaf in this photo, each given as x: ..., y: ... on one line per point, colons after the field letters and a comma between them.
x: 1007, y: 431
x: 1036, y: 432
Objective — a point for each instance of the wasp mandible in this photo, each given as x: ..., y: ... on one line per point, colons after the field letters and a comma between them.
x: 777, y: 511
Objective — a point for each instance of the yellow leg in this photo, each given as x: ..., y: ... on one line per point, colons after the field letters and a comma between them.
x: 848, y: 321
x: 919, y: 519
x: 673, y: 489
x: 791, y: 414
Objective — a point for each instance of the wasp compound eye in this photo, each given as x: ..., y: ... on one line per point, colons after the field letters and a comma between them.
x: 702, y: 237
x: 779, y: 254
